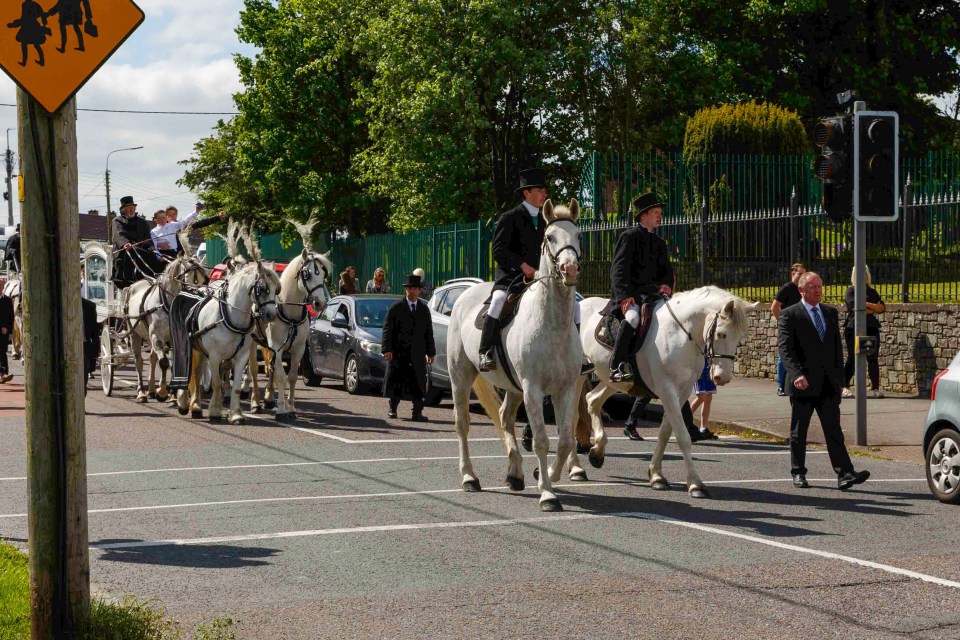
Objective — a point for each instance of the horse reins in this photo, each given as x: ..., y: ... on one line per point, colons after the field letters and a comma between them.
x: 708, y: 349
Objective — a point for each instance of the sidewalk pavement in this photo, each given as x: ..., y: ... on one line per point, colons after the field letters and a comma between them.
x: 753, y: 403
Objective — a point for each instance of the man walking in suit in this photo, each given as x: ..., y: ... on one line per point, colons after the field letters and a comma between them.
x: 408, y: 348
x: 810, y: 346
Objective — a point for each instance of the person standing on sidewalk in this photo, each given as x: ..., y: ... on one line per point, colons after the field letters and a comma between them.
x: 6, y: 330
x: 811, y: 350
x: 787, y: 296
x: 408, y: 348
x: 874, y: 306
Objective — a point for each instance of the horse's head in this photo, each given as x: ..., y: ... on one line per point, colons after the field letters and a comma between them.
x: 314, y: 270
x: 264, y: 291
x: 561, y: 240
x: 722, y: 334
x: 185, y: 270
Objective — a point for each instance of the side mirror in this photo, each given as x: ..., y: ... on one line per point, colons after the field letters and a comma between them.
x: 340, y: 324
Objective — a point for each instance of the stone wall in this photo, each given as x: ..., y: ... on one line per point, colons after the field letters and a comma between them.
x: 916, y: 342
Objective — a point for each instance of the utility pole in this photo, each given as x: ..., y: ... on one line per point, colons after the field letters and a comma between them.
x: 53, y: 373
x: 9, y: 181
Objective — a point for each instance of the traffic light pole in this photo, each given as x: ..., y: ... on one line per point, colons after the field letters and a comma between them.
x: 860, y: 312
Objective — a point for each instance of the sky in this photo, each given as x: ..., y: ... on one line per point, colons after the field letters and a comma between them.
x: 180, y: 59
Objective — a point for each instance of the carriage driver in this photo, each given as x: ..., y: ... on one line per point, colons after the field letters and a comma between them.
x: 517, y: 241
x: 133, y: 250
x: 640, y: 272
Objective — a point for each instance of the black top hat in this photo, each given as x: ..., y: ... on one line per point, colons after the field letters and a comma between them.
x: 532, y: 178
x: 413, y: 281
x: 126, y: 200
x: 645, y: 202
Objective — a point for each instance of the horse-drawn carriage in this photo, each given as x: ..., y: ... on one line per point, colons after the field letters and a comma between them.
x: 115, y: 344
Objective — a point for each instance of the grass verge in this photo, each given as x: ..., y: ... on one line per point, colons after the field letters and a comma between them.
x: 129, y: 619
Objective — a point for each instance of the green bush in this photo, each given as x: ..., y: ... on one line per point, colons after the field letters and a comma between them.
x: 753, y: 128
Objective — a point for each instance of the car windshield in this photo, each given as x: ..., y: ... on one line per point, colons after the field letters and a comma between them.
x: 371, y: 313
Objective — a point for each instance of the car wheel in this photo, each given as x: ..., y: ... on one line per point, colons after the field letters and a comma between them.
x: 310, y: 379
x: 943, y: 466
x: 351, y: 375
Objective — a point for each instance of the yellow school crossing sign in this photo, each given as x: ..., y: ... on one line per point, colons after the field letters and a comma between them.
x: 50, y: 48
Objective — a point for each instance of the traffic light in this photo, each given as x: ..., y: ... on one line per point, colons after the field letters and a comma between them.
x: 876, y: 159
x: 834, y: 137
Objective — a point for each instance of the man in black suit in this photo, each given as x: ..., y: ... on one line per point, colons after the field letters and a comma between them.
x: 408, y: 348
x: 810, y: 346
x: 640, y: 270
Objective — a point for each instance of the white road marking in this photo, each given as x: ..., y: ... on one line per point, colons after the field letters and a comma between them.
x: 402, y: 494
x: 554, y: 519
x: 697, y: 456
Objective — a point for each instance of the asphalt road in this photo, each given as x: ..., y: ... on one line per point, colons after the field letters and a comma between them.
x: 350, y: 525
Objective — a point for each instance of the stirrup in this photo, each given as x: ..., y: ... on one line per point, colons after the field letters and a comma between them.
x: 487, y: 361
x: 623, y: 373
x: 587, y: 366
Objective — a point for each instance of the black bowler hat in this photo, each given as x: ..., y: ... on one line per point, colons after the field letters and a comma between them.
x: 413, y: 281
x: 126, y: 201
x: 645, y: 202
x: 532, y: 178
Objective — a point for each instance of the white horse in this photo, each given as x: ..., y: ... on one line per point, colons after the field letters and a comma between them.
x: 542, y: 350
x: 148, y: 316
x: 301, y: 283
x: 13, y: 289
x: 704, y: 323
x: 224, y: 323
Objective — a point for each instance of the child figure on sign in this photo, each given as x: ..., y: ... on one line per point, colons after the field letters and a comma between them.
x: 33, y: 30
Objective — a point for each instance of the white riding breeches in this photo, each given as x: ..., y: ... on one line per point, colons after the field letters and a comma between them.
x: 633, y: 315
x: 497, y: 300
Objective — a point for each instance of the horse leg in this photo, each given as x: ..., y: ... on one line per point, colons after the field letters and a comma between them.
x: 250, y: 377
x: 533, y: 402
x: 152, y: 381
x: 595, y: 400
x: 461, y: 404
x: 136, y: 345
x: 277, y: 384
x: 239, y: 365
x: 164, y: 361
x: 581, y: 424
x: 565, y: 411
x: 268, y: 365
x: 695, y: 486
x: 507, y: 413
x: 292, y: 374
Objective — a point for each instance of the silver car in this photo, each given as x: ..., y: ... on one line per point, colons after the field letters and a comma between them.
x: 441, y: 306
x: 941, y: 437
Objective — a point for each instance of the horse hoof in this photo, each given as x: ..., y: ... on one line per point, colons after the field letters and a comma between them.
x: 471, y: 486
x: 142, y: 398
x: 269, y: 404
x: 536, y: 473
x: 578, y: 476
x: 660, y: 485
x: 527, y: 443
x: 255, y: 410
x: 551, y: 505
x: 596, y: 460
x: 245, y: 395
x: 162, y: 398
x: 196, y: 413
x: 215, y: 419
x: 183, y: 410
x: 236, y: 420
x: 152, y: 395
x: 292, y: 416
x: 515, y: 484
x: 698, y: 491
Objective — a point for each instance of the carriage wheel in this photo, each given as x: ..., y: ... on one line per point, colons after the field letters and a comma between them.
x: 106, y: 359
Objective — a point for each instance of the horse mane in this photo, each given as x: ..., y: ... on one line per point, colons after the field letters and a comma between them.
x: 710, y: 294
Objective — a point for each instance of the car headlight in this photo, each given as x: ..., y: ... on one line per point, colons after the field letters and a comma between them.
x: 371, y: 347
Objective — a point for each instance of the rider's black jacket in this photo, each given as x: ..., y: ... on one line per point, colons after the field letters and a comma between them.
x: 515, y: 241
x: 641, y: 263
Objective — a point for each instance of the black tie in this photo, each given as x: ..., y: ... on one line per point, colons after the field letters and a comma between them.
x: 413, y: 307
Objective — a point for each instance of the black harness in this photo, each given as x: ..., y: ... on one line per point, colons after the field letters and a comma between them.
x: 708, y: 350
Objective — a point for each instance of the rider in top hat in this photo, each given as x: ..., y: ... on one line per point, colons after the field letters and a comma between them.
x: 517, y: 241
x: 134, y: 252
x: 640, y: 271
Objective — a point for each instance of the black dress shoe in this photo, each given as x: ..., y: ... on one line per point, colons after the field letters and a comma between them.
x: 631, y: 432
x: 392, y: 413
x: 706, y: 434
x: 419, y: 417
x: 850, y: 478
x: 780, y: 391
x: 800, y: 481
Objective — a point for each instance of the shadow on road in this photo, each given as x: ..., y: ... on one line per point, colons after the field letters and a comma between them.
x: 210, y: 556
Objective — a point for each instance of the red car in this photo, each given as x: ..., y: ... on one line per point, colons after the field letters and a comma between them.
x: 220, y: 271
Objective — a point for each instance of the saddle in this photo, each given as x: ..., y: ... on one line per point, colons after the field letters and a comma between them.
x: 509, y: 307
x: 183, y: 325
x: 606, y: 335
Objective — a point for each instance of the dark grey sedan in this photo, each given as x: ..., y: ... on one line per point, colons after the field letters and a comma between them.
x: 345, y: 342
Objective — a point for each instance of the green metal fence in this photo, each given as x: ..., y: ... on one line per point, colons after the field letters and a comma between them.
x: 736, y: 221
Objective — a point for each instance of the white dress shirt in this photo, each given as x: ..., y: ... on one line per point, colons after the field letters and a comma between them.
x: 167, y: 234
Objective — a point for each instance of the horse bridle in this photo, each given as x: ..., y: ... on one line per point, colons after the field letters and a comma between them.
x: 304, y: 276
x: 707, y: 351
x: 545, y: 247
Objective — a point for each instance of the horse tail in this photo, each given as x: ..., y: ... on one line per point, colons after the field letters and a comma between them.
x: 490, y: 400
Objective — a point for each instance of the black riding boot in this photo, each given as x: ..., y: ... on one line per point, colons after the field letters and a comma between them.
x: 621, y: 370
x: 488, y: 338
x: 586, y: 365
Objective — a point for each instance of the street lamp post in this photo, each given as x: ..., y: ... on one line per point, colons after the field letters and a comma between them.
x: 9, y: 159
x: 106, y: 178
